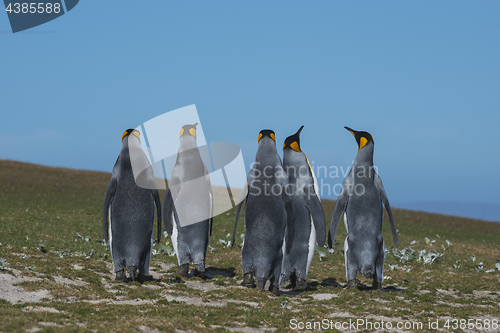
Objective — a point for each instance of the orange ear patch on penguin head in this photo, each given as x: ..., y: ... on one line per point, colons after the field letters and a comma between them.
x: 295, y: 146
x: 268, y: 133
x: 131, y: 131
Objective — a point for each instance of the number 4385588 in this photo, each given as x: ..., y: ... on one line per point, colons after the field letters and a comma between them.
x: 33, y: 8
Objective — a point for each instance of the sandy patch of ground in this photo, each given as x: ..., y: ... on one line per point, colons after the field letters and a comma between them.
x: 203, y: 286
x: 120, y: 302
x: 145, y: 329
x: 16, y: 294
x: 252, y: 329
x: 253, y: 304
x: 41, y: 309
x: 198, y: 301
x: 62, y: 280
x: 323, y: 297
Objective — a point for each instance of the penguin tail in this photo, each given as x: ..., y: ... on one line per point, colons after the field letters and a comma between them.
x: 368, y: 271
x: 132, y: 271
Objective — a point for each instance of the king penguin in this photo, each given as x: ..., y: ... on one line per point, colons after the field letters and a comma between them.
x: 129, y: 210
x: 304, y: 210
x: 265, y: 217
x: 360, y: 201
x: 188, y: 205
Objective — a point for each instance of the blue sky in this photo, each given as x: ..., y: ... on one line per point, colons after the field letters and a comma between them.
x: 422, y: 77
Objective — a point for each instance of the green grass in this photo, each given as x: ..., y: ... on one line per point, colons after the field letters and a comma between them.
x: 50, y: 231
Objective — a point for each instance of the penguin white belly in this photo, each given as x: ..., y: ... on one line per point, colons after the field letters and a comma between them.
x: 346, y: 247
x: 283, y: 250
x: 383, y: 260
x: 175, y: 235
x: 211, y: 205
x: 312, y: 243
x: 283, y: 247
x: 345, y: 222
x: 110, y: 234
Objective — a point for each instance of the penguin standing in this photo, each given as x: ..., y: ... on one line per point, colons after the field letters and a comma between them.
x: 361, y: 201
x: 188, y: 205
x: 265, y: 217
x: 129, y: 210
x: 304, y: 210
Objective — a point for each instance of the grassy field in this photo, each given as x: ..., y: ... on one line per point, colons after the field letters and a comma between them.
x: 56, y: 274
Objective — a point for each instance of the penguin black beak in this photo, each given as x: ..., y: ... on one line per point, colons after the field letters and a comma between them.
x: 300, y: 130
x: 353, y: 132
x: 195, y: 124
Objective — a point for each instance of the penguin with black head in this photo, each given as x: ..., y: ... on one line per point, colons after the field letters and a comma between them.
x: 361, y: 202
x: 188, y: 205
x: 304, y: 210
x: 129, y: 210
x: 265, y: 217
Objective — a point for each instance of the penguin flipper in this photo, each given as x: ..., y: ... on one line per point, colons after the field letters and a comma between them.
x: 385, y: 201
x: 156, y: 196
x: 316, y: 210
x: 211, y: 195
x: 107, y: 202
x: 290, y: 225
x: 236, y: 221
x: 243, y: 198
x: 168, y: 209
x: 340, y: 207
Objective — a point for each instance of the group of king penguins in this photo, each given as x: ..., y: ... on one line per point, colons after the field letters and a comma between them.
x: 284, y: 219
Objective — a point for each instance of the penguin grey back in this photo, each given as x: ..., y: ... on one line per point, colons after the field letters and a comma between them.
x: 265, y: 214
x: 188, y: 203
x: 129, y: 210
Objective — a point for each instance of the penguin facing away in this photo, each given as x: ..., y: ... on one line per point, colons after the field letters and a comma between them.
x: 361, y: 201
x: 188, y: 205
x: 265, y: 217
x: 305, y: 211
x: 129, y: 211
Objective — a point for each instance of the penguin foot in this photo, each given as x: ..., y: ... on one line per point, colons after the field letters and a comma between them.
x: 121, y: 276
x: 248, y: 281
x: 300, y: 283
x: 143, y: 278
x: 293, y: 280
x: 377, y: 285
x: 199, y: 273
x: 351, y: 284
x: 275, y: 290
x: 183, y: 270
